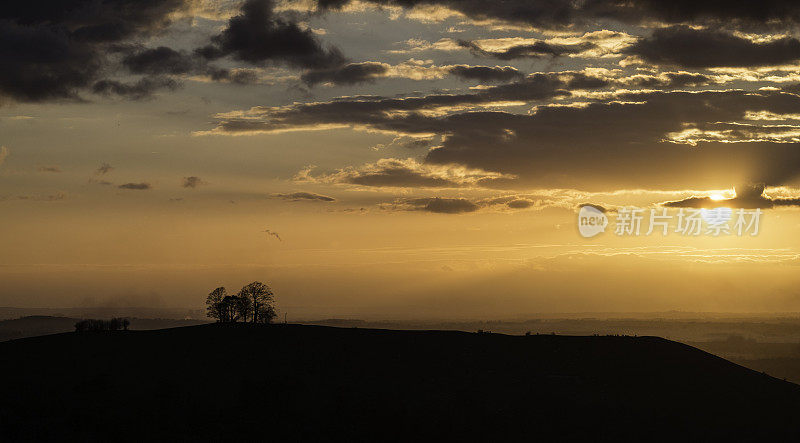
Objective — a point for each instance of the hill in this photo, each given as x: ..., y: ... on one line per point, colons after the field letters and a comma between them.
x: 311, y: 383
x: 34, y: 325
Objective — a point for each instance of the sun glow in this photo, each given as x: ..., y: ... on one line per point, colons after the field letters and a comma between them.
x: 716, y: 197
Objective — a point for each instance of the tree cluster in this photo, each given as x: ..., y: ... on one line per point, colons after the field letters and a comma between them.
x: 254, y: 303
x: 115, y: 324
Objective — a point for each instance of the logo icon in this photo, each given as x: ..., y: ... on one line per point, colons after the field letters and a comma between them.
x: 591, y: 221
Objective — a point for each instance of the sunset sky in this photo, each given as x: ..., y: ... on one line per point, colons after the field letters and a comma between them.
x: 397, y: 158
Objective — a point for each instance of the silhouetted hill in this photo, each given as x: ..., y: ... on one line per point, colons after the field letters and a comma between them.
x: 291, y: 382
x: 34, y: 325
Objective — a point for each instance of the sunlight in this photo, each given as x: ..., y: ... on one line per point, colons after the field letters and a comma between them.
x: 716, y: 197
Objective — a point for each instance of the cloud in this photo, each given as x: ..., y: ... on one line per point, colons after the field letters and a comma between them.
x: 192, y: 182
x: 486, y: 74
x: 407, y: 115
x: 747, y: 197
x: 625, y: 139
x: 142, y: 88
x: 58, y: 196
x: 49, y: 169
x: 460, y: 205
x: 520, y: 203
x: 4, y: 152
x: 537, y: 49
x: 349, y: 74
x: 136, y: 186
x: 623, y: 142
x: 666, y: 80
x: 365, y: 72
x: 407, y: 142
x: 160, y: 60
x: 444, y: 205
x: 259, y: 36
x: 103, y: 169
x: 304, y: 196
x: 705, y: 48
x: 403, y: 173
x: 54, y: 52
x: 563, y: 14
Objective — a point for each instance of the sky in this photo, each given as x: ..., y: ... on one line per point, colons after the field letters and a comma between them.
x: 400, y: 159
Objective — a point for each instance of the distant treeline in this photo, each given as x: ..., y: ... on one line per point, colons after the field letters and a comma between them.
x: 115, y: 324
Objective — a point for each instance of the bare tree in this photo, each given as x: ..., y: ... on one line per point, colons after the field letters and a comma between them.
x: 254, y: 303
x: 214, y: 306
x: 257, y: 303
x: 231, y: 308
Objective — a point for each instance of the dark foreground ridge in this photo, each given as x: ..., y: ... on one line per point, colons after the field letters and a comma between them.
x: 232, y: 382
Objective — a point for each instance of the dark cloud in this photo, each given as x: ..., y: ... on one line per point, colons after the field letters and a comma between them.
x: 373, y: 111
x: 747, y: 197
x: 259, y: 36
x: 138, y: 90
x: 444, y: 205
x: 160, y: 60
x: 704, y: 48
x: 236, y: 76
x: 349, y: 74
x: 136, y: 186
x: 486, y: 74
x: 398, y: 174
x: 638, y: 139
x: 59, y: 50
x: 625, y: 143
x: 167, y: 61
x: 520, y: 203
x: 535, y: 50
x: 566, y: 13
x: 304, y: 196
x: 55, y: 50
x: 192, y: 182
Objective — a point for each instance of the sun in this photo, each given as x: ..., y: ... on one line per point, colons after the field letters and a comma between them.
x: 716, y: 197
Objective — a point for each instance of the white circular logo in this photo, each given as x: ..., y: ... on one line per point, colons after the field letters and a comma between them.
x: 591, y: 221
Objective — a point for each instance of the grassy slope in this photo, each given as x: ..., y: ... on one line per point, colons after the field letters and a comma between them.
x: 307, y: 382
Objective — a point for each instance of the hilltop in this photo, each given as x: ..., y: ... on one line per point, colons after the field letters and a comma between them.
x: 228, y: 382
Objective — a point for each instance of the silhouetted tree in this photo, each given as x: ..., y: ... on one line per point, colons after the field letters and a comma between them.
x: 257, y: 303
x: 254, y: 303
x: 214, y: 306
x: 115, y: 324
x: 232, y: 309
